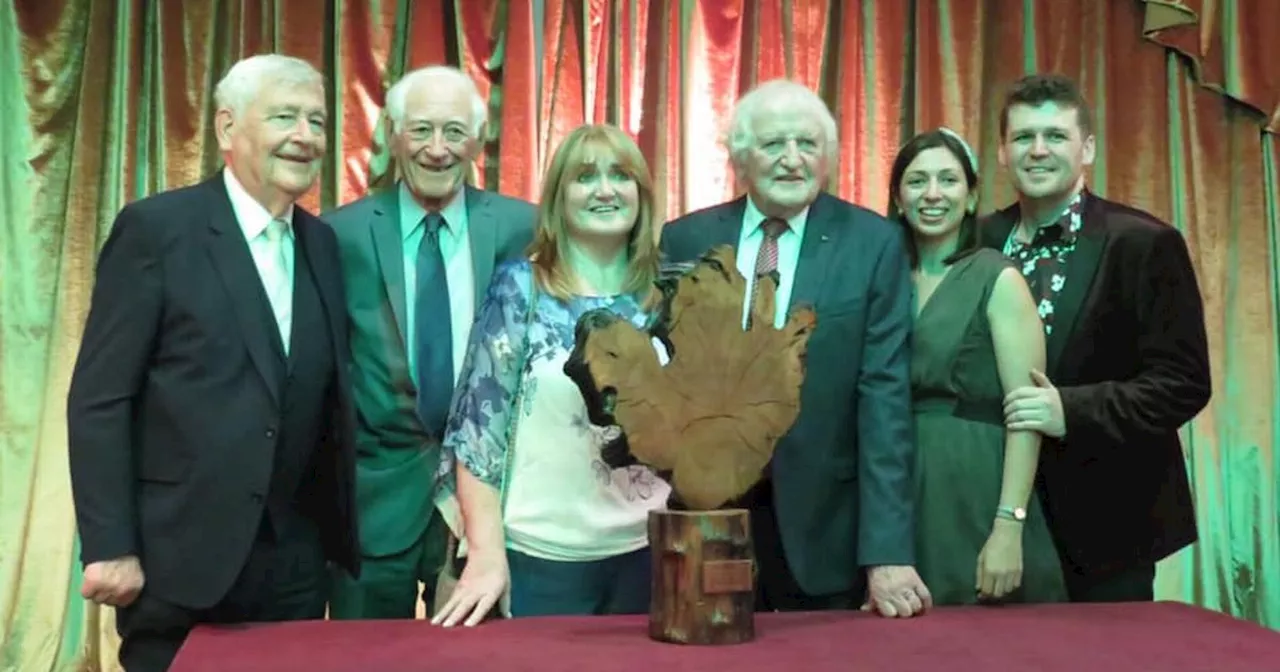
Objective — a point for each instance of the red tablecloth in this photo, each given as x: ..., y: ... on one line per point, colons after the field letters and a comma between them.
x: 1154, y: 637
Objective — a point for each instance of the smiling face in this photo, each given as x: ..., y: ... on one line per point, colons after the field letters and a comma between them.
x: 436, y: 142
x: 601, y: 198
x: 934, y: 194
x: 275, y: 145
x: 1045, y: 151
x: 786, y: 166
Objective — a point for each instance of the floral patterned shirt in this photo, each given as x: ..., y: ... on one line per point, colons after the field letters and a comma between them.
x: 487, y: 384
x: 562, y: 502
x: 1043, y: 261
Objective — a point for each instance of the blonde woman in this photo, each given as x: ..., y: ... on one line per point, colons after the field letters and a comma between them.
x: 545, y: 521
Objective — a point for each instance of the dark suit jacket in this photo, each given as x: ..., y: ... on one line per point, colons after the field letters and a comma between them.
x: 174, y: 410
x: 1128, y: 355
x: 397, y: 459
x: 842, y: 475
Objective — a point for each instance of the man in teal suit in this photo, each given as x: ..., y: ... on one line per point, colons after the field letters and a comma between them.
x: 417, y: 258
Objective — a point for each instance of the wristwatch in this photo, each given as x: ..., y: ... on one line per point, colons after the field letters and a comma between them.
x: 1018, y: 514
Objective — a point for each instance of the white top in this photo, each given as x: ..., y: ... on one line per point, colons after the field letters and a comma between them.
x: 563, y: 502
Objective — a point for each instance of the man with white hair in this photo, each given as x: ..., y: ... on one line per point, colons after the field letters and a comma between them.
x: 209, y: 419
x: 417, y: 258
x: 832, y: 518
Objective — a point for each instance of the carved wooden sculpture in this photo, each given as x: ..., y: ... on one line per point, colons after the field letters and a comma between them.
x: 707, y: 422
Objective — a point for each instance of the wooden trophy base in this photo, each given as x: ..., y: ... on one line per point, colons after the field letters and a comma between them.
x: 703, y: 577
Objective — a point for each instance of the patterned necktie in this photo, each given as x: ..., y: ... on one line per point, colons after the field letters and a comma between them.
x: 277, y: 278
x: 433, y: 329
x: 767, y: 257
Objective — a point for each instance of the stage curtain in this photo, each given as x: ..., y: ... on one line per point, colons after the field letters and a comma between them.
x: 1230, y: 45
x: 107, y: 101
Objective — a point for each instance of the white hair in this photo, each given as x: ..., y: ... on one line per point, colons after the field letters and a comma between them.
x: 784, y: 94
x: 245, y: 80
x: 435, y: 73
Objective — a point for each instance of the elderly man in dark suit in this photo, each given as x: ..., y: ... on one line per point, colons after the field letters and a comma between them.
x: 209, y: 417
x: 417, y: 259
x: 833, y: 520
x: 1128, y: 362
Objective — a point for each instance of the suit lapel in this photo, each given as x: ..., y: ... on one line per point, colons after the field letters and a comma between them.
x: 820, y: 239
x: 322, y: 278
x: 482, y: 230
x: 384, y: 227
x: 1080, y: 272
x: 727, y: 228
x: 230, y: 255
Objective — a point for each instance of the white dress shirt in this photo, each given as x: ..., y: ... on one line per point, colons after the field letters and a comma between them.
x: 273, y: 257
x: 749, y: 242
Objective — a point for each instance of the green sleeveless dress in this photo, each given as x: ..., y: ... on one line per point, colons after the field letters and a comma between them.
x: 958, y: 404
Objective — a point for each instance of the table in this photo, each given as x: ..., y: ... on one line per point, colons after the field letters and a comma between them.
x: 1155, y: 637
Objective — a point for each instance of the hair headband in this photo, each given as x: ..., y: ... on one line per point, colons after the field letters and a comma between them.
x: 968, y: 151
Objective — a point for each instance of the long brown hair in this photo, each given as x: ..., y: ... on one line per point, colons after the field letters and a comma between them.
x: 551, y: 235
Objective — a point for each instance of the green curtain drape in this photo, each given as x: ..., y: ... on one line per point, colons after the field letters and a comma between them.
x: 106, y: 101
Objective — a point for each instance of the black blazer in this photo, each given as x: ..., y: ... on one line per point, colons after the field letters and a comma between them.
x: 1129, y: 357
x: 842, y: 476
x: 174, y: 410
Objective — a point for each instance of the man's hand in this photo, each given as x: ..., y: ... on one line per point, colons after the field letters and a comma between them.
x: 1036, y: 409
x: 113, y: 583
x: 896, y: 591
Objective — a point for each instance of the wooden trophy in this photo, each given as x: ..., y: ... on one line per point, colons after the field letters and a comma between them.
x: 707, y: 423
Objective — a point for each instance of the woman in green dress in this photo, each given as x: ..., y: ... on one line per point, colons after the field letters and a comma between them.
x: 980, y: 533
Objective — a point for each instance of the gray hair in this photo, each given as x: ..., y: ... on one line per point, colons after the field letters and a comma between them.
x: 245, y: 80
x: 777, y: 93
x: 397, y: 93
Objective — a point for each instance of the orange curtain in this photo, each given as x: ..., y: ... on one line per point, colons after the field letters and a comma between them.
x: 1230, y: 44
x: 108, y: 101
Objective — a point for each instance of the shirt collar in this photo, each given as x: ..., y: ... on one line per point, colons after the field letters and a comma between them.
x: 1069, y: 221
x: 753, y: 218
x: 251, y: 215
x: 412, y: 212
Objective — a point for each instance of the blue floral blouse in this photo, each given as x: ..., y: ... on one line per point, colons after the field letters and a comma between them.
x: 480, y: 416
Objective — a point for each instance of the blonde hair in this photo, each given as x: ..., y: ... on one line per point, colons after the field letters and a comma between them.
x: 551, y: 235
